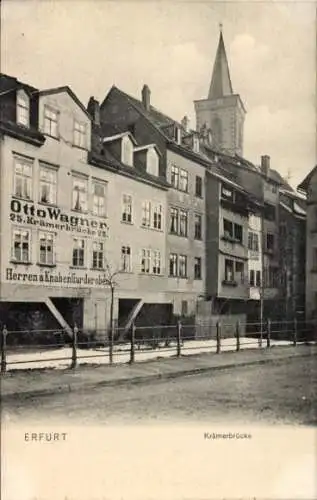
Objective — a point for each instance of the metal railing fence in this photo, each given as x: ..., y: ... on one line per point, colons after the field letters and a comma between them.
x: 144, y: 342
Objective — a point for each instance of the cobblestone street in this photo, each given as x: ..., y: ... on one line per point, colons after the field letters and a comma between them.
x: 282, y: 392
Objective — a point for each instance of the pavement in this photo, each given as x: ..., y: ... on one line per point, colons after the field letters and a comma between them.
x: 34, y: 383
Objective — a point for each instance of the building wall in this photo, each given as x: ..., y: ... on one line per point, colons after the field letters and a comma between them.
x: 212, y: 234
x: 37, y: 282
x: 311, y: 249
x: 187, y: 289
x: 255, y: 258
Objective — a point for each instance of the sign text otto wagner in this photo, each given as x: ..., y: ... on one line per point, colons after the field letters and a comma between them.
x: 54, y: 218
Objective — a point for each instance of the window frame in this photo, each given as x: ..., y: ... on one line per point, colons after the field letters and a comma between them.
x: 183, y: 179
x: 127, y: 201
x: 182, y: 266
x: 198, y: 227
x: 183, y: 223
x: 156, y: 262
x: 146, y: 261
x: 146, y: 214
x: 23, y: 103
x: 24, y: 162
x: 157, y: 215
x: 53, y: 170
x: 53, y: 235
x: 99, y: 253
x: 198, y: 190
x: 175, y: 176
x: 126, y: 258
x: 54, y: 111
x: 81, y: 134
x: 104, y: 184
x: 19, y: 229
x: 173, y: 263
x: 84, y: 250
x: 83, y: 179
x: 197, y: 267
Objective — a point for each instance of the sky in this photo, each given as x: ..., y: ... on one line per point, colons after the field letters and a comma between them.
x: 170, y: 45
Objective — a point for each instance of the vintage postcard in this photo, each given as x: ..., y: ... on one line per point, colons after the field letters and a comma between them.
x: 158, y: 251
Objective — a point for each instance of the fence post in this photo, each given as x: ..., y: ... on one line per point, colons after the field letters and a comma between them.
x: 218, y: 333
x: 132, y: 351
x: 4, y: 349
x: 238, y: 335
x: 268, y: 338
x: 179, y: 338
x: 74, y: 347
x: 295, y: 332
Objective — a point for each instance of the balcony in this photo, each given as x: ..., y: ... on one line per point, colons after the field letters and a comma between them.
x: 229, y: 282
x: 231, y: 239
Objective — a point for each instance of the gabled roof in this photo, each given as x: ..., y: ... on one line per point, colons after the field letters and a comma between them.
x: 304, y: 185
x: 11, y: 84
x: 220, y: 85
x: 65, y: 88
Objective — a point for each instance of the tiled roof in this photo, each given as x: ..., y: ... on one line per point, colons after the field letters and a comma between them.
x: 8, y: 83
x: 305, y: 183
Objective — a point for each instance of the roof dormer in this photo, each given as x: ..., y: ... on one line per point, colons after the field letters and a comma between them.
x: 121, y: 146
x: 148, y: 158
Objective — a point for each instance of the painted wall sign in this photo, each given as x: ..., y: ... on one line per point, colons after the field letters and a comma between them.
x: 49, y: 278
x: 24, y: 212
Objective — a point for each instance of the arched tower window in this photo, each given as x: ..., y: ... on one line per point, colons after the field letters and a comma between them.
x: 216, y: 128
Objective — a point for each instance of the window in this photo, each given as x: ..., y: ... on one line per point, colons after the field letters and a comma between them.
x: 174, y: 220
x: 198, y: 186
x: 253, y: 241
x: 175, y: 176
x: 146, y: 261
x: 23, y: 178
x: 197, y: 268
x: 156, y: 269
x: 78, y: 252
x: 127, y: 208
x: 173, y: 264
x: 270, y: 242
x: 229, y: 270
x: 232, y: 231
x: 258, y: 278
x: 126, y: 259
x: 182, y: 266
x: 239, y: 272
x: 48, y: 182
x: 269, y: 212
x: 50, y: 122
x: 152, y: 166
x: 238, y: 233
x: 252, y: 277
x: 227, y: 228
x: 98, y: 255
x: 183, y: 223
x: 99, y: 198
x: 157, y: 217
x: 21, y: 245
x: 183, y: 180
x: 272, y: 277
x: 184, y: 307
x: 46, y: 254
x: 227, y: 193
x: 146, y: 214
x: 196, y: 144
x: 23, y: 109
x: 127, y: 151
x: 79, y: 195
x: 198, y: 226
x: 80, y: 134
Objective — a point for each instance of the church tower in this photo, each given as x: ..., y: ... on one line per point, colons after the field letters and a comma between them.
x: 223, y: 110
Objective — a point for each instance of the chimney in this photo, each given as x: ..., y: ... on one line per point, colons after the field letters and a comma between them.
x: 146, y: 97
x: 265, y: 165
x: 93, y: 109
x: 185, y: 123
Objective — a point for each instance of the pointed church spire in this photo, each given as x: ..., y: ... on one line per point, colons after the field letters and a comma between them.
x: 220, y: 82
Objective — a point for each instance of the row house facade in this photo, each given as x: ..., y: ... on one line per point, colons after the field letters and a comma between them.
x: 70, y: 219
x: 309, y: 187
x: 223, y: 239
